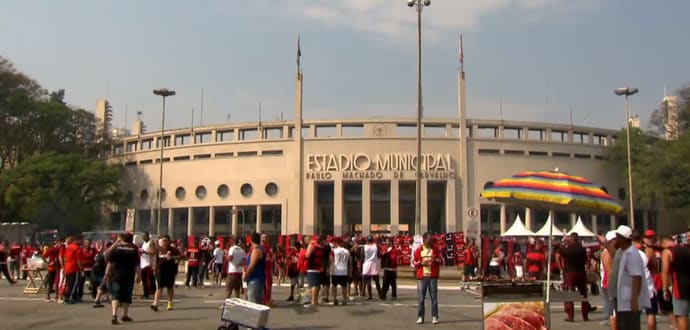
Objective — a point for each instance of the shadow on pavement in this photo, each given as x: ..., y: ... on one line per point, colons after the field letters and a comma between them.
x: 167, y: 320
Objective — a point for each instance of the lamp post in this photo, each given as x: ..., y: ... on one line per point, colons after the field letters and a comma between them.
x: 420, y: 4
x: 628, y: 91
x: 163, y: 92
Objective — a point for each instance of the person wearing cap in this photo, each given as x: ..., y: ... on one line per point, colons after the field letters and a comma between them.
x: 631, y: 294
x: 676, y: 273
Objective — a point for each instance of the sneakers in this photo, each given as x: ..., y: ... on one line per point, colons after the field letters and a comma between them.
x: 290, y: 298
x: 434, y: 320
x: 97, y: 305
x: 170, y: 306
x: 126, y: 319
x: 154, y: 307
x: 113, y: 321
x: 420, y: 320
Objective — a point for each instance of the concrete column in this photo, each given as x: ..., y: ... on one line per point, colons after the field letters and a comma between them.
x: 171, y: 221
x: 645, y: 221
x: 259, y: 218
x: 233, y: 224
x: 573, y: 219
x: 212, y: 221
x: 528, y: 219
x: 614, y: 222
x: 339, y: 130
x: 594, y: 224
x: 503, y: 220
x: 424, y: 216
x: 366, y: 207
x: 236, y: 133
x: 190, y: 221
x: 338, y: 206
x: 451, y: 215
x: 395, y: 207
x: 153, y: 223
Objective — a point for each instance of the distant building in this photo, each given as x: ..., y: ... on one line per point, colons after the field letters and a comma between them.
x: 104, y: 114
x: 671, y: 110
x: 119, y: 133
x: 635, y: 121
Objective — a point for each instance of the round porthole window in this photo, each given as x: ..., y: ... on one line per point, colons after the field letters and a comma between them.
x: 162, y: 193
x: 246, y: 190
x: 488, y: 184
x: 223, y: 191
x: 180, y: 193
x: 200, y: 192
x: 271, y: 189
x: 144, y: 195
x: 604, y: 189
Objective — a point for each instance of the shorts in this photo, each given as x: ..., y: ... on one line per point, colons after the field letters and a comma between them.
x: 122, y: 291
x: 313, y: 279
x: 654, y: 306
x: 339, y: 280
x: 368, y: 278
x: 234, y: 282
x: 469, y: 270
x: 166, y: 280
x: 217, y: 268
x: 680, y: 307
x: 665, y: 306
x: 325, y: 279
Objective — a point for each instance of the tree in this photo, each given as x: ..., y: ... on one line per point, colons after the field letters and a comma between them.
x: 64, y: 191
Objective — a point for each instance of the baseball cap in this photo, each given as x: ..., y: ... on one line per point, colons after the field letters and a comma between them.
x: 649, y: 233
x: 217, y: 242
x: 624, y: 231
x: 610, y: 235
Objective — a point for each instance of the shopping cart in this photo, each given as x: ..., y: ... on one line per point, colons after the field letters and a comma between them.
x: 241, y: 313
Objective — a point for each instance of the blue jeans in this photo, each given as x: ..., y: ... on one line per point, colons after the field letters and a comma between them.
x: 255, y: 291
x: 608, y: 303
x: 430, y: 285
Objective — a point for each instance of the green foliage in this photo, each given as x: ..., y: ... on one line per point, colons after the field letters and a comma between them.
x: 50, y: 172
x: 65, y: 191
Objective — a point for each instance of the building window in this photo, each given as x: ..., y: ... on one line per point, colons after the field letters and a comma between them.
x: 223, y: 191
x: 488, y: 184
x: 144, y: 195
x: 161, y: 193
x: 380, y: 206
x: 325, y: 207
x: 246, y: 190
x: 406, y: 205
x: 352, y: 207
x: 271, y: 189
x: 180, y: 193
x: 436, y: 206
x: 200, y: 192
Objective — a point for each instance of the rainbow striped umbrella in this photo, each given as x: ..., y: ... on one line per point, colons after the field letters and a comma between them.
x: 552, y: 190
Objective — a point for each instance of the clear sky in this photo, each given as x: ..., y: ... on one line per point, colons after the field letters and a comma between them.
x: 540, y: 57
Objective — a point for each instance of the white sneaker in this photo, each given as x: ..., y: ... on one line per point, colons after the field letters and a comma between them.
x: 420, y: 320
x: 434, y: 320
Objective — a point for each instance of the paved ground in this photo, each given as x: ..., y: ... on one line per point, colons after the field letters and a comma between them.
x: 198, y: 309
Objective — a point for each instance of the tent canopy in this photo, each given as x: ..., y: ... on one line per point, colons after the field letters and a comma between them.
x: 581, y: 229
x: 518, y: 229
x: 544, y: 231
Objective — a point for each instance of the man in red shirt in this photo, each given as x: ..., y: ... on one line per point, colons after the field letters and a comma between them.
x: 51, y: 257
x: 293, y: 269
x: 389, y: 263
x: 193, y: 255
x: 535, y: 261
x: 72, y: 268
x: 88, y: 258
x: 27, y: 252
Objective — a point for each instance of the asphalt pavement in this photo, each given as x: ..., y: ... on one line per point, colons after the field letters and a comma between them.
x: 199, y: 309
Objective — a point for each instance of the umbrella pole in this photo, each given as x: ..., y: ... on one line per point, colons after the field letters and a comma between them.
x: 547, y: 308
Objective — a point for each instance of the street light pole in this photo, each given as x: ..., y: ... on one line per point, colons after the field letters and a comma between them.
x: 418, y: 175
x: 163, y: 92
x: 627, y: 92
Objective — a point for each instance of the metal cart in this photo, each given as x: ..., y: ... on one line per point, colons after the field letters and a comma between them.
x: 238, y: 313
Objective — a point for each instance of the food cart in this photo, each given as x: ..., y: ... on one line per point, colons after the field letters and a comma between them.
x: 518, y: 305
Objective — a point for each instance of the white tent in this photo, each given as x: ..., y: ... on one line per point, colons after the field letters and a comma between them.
x: 544, y: 231
x: 581, y: 229
x: 518, y: 229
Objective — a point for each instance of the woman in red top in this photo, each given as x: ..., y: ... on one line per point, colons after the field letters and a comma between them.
x: 269, y: 259
x: 535, y: 261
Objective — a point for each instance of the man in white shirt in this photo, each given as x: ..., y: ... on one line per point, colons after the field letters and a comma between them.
x: 147, y: 260
x: 340, y: 270
x: 632, y: 293
x: 236, y: 256
x: 218, y: 257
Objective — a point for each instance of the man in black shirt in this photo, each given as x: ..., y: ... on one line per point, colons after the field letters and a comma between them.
x: 123, y: 266
x: 574, y: 258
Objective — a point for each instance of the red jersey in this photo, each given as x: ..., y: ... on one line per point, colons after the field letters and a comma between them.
x: 51, y: 257
x: 535, y: 261
x: 469, y: 257
x: 15, y: 251
x: 27, y: 252
x: 193, y: 257
x: 73, y: 255
x: 88, y: 258
x: 303, y: 262
x: 292, y: 261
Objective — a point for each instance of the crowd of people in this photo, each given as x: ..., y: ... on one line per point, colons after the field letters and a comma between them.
x: 635, y: 273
